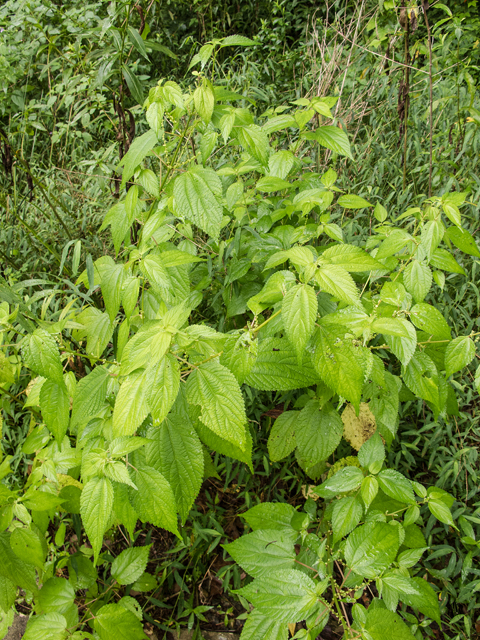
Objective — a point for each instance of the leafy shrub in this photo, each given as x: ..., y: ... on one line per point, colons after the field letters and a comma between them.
x: 232, y: 273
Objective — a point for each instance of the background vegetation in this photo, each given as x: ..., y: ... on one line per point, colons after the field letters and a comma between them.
x: 73, y: 81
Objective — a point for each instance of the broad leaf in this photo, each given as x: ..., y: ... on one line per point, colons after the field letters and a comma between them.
x: 417, y: 279
x: 96, y: 505
x: 281, y: 441
x: 270, y: 515
x: 382, y: 624
x: 458, y: 354
x: 131, y: 406
x: 138, y: 150
x: 164, y: 383
x: 130, y: 564
x: 116, y: 622
x: 196, y: 194
x: 299, y: 311
x: 371, y: 548
x: 41, y: 355
x: 395, y: 485
x: 264, y: 551
x: 55, y: 406
x: 154, y: 501
x: 90, y: 395
x: 332, y: 138
x: 338, y: 282
x: 318, y: 432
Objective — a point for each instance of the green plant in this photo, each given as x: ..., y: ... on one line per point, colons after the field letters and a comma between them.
x: 232, y: 268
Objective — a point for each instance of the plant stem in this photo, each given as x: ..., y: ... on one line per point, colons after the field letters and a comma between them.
x: 430, y: 82
x: 406, y: 98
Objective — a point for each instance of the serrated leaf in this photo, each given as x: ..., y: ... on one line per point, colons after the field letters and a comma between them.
x: 281, y: 441
x: 89, y: 395
x: 396, y: 240
x: 299, y: 311
x: 278, y: 123
x: 56, y: 595
x: 429, y: 319
x: 373, y: 450
x: 131, y: 406
x: 41, y: 355
x: 154, y: 501
x: 381, y: 624
x: 176, y: 451
x: 347, y: 513
x: 47, y: 626
x: 440, y: 510
x: 347, y: 479
x: 427, y: 600
x: 332, y: 138
x: 225, y: 448
x: 371, y: 548
x: 463, y: 240
x: 196, y: 194
x: 130, y: 564
x: 442, y: 259
x: 215, y: 389
x: 351, y: 258
x: 138, y: 151
x: 55, y: 406
x: 337, y: 362
x: 270, y: 515
x: 112, y: 282
x: 255, y: 142
x: 239, y: 355
x: 458, y: 354
x: 263, y: 551
x: 116, y: 622
x: 276, y: 367
x: 164, y: 383
x: 420, y: 375
x: 270, y: 184
x: 238, y: 41
x: 259, y: 626
x: 96, y: 503
x: 339, y: 283
x: 417, y: 279
x: 318, y: 432
x: 432, y: 234
x: 395, y: 485
x: 204, y: 100
x: 350, y: 201
x: 27, y: 546
x: 13, y: 568
x: 453, y: 213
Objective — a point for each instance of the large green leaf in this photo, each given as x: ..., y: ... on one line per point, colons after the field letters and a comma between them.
x: 420, y: 376
x: 442, y: 259
x: 27, y: 545
x: 255, y: 142
x: 281, y: 441
x: 382, y: 624
x: 371, y: 548
x: 427, y: 600
x: 263, y: 551
x: 90, y: 395
x: 116, y: 622
x: 154, y: 501
x: 196, y: 194
x: 318, y: 432
x: 239, y: 355
x: 215, y: 389
x: 19, y: 572
x: 270, y: 515
x: 347, y: 513
x: 48, y: 626
x: 164, y: 383
x: 299, y: 311
x: 458, y: 354
x: 283, y: 596
x: 130, y: 564
x: 351, y: 258
x: 131, y: 406
x: 338, y: 282
x: 138, y: 150
x: 96, y: 504
x: 338, y: 362
x: 417, y: 279
x: 396, y: 485
x: 55, y: 406
x: 429, y: 319
x: 277, y: 368
x: 332, y: 138
x: 214, y: 442
x: 402, y: 347
x: 112, y: 282
x: 259, y: 627
x: 463, y: 240
x: 41, y: 355
x: 176, y: 451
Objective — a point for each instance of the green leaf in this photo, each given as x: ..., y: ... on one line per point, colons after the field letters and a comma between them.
x: 123, y: 508
x: 351, y: 258
x: 8, y: 593
x: 27, y: 546
x: 196, y: 194
x: 225, y: 448
x: 270, y: 515
x: 284, y: 596
x: 442, y: 259
x: 432, y: 234
x: 261, y: 552
x: 347, y: 513
x: 238, y: 41
x: 380, y: 213
x: 397, y: 327
x: 369, y: 490
x: 349, y: 201
x: 338, y: 282
x: 347, y: 479
x: 164, y: 383
x: 115, y: 622
x: 48, y: 626
x: 440, y: 510
x: 278, y: 123
x: 371, y: 451
x: 153, y: 267
x: 215, y: 389
x: 382, y: 624
x: 41, y: 355
x: 393, y: 243
x: 371, y: 548
x: 427, y: 600
x: 96, y: 505
x: 420, y: 376
x: 453, y: 213
x: 255, y: 142
x: 176, y: 451
x: 19, y: 572
x: 89, y: 395
x: 138, y: 151
x: 133, y: 84
x: 332, y: 138
x: 281, y: 441
x: 403, y: 348
x: 395, y: 485
x: 204, y: 100
x: 276, y: 367
x: 338, y: 362
x: 429, y: 319
x: 299, y: 312
x: 458, y: 354
x: 154, y: 501
x: 318, y: 432
x: 56, y: 595
x: 130, y: 564
x: 417, y: 279
x: 270, y: 184
x: 259, y: 626
x: 463, y: 240
x: 55, y: 406
x: 240, y: 354
x: 112, y: 282
x: 131, y: 407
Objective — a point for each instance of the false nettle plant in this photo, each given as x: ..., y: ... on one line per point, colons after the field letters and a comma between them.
x: 232, y: 274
